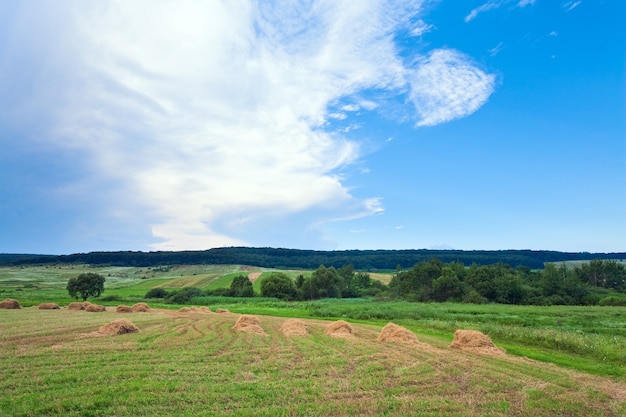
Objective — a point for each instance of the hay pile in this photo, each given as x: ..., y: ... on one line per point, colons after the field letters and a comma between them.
x: 76, y: 306
x: 184, y: 310
x: 10, y: 304
x: 48, y: 306
x: 475, y: 341
x: 396, y: 334
x: 119, y: 326
x: 339, y: 329
x: 249, y: 324
x: 222, y: 310
x: 205, y: 309
x: 123, y: 309
x: 294, y: 327
x: 141, y: 308
x: 94, y: 308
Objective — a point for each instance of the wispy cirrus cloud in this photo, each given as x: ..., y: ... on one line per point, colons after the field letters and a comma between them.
x: 495, y: 4
x: 213, y: 117
x: 571, y: 5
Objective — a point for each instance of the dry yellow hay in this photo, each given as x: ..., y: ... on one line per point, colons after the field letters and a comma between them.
x: 205, y: 309
x: 222, y: 310
x: 48, y: 306
x: 294, y: 327
x: 141, y: 308
x: 339, y: 329
x: 76, y: 306
x: 119, y: 326
x: 10, y: 304
x: 397, y: 334
x: 475, y: 341
x: 123, y: 309
x: 95, y: 308
x: 249, y: 324
x: 184, y: 310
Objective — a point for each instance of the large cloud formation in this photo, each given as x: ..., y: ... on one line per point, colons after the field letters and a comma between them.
x: 214, y: 116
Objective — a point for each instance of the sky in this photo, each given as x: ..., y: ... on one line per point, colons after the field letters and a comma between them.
x: 329, y: 125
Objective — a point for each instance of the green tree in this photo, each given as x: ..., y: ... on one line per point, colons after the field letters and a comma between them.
x: 241, y: 287
x: 86, y: 285
x: 448, y: 286
x: 278, y: 285
x: 325, y: 282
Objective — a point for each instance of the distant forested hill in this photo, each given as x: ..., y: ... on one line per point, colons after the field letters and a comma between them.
x: 369, y: 260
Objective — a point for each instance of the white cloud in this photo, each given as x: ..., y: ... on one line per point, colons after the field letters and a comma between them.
x: 571, y: 5
x: 213, y: 114
x: 420, y: 27
x: 446, y: 86
x: 496, y: 49
x: 524, y: 3
x: 490, y: 5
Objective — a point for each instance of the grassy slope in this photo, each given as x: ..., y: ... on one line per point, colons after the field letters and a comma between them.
x: 195, y: 365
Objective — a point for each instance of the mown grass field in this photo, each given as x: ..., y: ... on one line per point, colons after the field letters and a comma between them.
x: 195, y: 364
x: 561, y: 360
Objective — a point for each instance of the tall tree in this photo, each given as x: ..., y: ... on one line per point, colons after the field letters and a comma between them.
x: 86, y: 285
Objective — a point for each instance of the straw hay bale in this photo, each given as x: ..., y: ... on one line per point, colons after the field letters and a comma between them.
x: 475, y: 341
x: 339, y: 329
x: 95, y: 308
x: 119, y: 326
x: 10, y: 304
x: 76, y: 306
x: 123, y: 309
x: 249, y: 324
x: 222, y: 310
x: 141, y: 308
x: 396, y: 334
x: 294, y: 327
x: 48, y: 306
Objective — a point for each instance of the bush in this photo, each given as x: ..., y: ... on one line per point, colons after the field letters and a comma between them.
x: 612, y: 301
x: 278, y: 285
x: 111, y: 297
x: 156, y: 293
x: 184, y: 295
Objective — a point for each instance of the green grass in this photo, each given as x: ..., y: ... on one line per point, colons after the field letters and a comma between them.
x: 197, y: 365
x: 589, y: 339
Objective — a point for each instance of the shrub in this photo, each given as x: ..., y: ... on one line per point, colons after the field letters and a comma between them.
x: 278, y: 285
x: 184, y: 295
x: 156, y: 293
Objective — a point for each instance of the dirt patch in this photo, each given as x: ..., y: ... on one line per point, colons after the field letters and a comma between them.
x: 222, y: 310
x: 396, y: 334
x: 253, y: 276
x: 339, y: 329
x: 141, y: 308
x: 475, y: 341
x: 119, y: 326
x: 249, y: 324
x: 294, y: 327
x: 48, y: 306
x: 123, y: 309
x: 95, y: 308
x: 76, y: 306
x: 10, y: 304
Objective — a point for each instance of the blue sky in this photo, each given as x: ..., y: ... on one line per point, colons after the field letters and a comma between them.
x: 489, y: 124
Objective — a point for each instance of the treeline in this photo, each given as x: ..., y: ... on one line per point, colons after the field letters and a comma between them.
x: 364, y: 260
x: 437, y: 281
